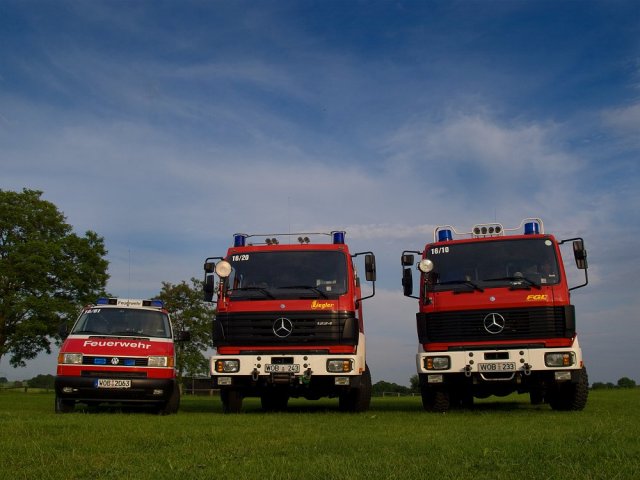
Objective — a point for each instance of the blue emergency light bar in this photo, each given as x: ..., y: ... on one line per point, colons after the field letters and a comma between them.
x: 239, y: 239
x: 531, y: 228
x: 127, y: 302
x: 445, y: 235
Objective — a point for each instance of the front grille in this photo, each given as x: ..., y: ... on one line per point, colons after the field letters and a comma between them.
x: 112, y: 374
x: 112, y: 361
x: 306, y: 328
x: 519, y: 324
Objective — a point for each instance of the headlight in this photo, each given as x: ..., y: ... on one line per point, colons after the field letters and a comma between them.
x: 227, y: 366
x: 70, y: 358
x: 339, y: 365
x: 159, y: 362
x: 223, y: 269
x: 437, y: 363
x: 559, y: 359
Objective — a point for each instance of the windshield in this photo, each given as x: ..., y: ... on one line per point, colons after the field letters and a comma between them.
x: 123, y: 322
x: 290, y: 274
x: 522, y: 263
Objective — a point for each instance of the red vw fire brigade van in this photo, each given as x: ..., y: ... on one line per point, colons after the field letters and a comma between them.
x: 119, y: 351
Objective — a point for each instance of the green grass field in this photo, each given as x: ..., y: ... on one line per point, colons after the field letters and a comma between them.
x: 396, y: 439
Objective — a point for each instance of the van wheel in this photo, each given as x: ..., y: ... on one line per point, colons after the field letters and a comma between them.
x: 231, y: 401
x: 171, y: 405
x: 64, y: 406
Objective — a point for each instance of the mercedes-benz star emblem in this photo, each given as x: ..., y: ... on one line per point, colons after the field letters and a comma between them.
x: 494, y: 323
x: 282, y: 327
x: 115, y: 361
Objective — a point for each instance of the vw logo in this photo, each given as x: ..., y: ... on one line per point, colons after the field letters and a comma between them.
x: 494, y: 323
x: 115, y: 361
x: 282, y: 327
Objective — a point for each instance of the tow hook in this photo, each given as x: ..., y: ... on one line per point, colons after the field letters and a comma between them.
x: 255, y: 374
x: 467, y: 371
x: 306, y: 376
x: 527, y: 369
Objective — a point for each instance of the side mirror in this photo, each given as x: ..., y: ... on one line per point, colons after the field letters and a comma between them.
x: 407, y: 281
x: 407, y: 260
x: 182, y: 336
x: 209, y: 287
x: 580, y: 254
x: 209, y: 281
x: 370, y: 267
x: 63, y: 330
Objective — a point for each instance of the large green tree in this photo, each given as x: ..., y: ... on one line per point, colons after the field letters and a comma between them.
x: 47, y: 273
x: 189, y: 313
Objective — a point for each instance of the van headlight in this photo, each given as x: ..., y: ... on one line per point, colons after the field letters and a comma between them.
x: 159, y: 362
x: 70, y: 358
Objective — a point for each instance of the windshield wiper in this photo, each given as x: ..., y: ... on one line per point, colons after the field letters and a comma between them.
x: 462, y: 282
x: 262, y: 290
x: 530, y: 283
x: 305, y: 287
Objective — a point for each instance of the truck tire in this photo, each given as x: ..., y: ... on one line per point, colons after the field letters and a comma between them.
x: 274, y: 400
x: 435, y: 399
x: 64, y: 406
x: 571, y: 396
x: 357, y: 399
x: 536, y: 396
x: 171, y: 405
x: 231, y: 400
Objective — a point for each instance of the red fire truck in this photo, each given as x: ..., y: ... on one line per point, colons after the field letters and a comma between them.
x: 289, y: 321
x: 119, y: 351
x: 495, y: 317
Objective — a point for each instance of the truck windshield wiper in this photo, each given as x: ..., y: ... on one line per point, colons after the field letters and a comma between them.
x: 262, y: 290
x: 530, y: 283
x: 463, y: 282
x: 305, y: 287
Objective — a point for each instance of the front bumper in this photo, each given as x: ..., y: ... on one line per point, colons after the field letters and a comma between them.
x: 142, y: 390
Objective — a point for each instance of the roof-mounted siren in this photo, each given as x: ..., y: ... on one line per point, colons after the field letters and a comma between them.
x: 338, y: 237
x: 532, y: 226
x: 488, y: 230
x: 303, y: 240
x: 445, y: 235
x: 239, y: 239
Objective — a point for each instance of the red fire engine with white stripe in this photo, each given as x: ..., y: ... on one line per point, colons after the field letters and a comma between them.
x: 495, y: 317
x: 119, y: 351
x: 289, y: 321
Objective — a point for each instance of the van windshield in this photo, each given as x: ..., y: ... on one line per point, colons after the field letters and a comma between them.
x: 521, y: 263
x: 123, y: 322
x: 287, y: 274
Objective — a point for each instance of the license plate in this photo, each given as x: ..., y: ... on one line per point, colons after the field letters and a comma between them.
x: 112, y: 383
x: 277, y: 368
x: 497, y: 367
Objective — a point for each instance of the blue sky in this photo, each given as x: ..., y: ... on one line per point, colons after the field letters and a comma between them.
x: 168, y: 126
